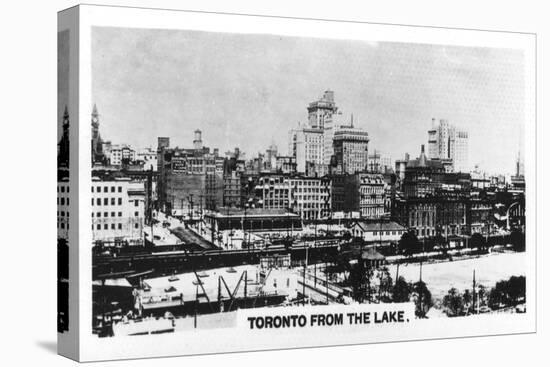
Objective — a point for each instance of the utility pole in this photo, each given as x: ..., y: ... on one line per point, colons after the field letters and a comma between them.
x: 420, y: 289
x: 326, y: 280
x: 304, y: 277
x: 474, y: 292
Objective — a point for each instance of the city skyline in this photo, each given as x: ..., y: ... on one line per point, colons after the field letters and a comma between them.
x: 164, y: 83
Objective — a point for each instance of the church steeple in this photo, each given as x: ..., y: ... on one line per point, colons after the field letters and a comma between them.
x: 63, y: 145
x: 66, y: 115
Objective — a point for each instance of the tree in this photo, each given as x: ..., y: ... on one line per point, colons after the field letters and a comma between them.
x: 507, y: 293
x: 408, y: 243
x: 422, y: 298
x: 357, y: 280
x: 401, y: 291
x: 385, y: 284
x: 478, y: 242
x: 453, y: 302
x: 346, y: 236
x: 468, y: 298
x: 439, y: 241
x: 482, y: 294
x: 517, y: 238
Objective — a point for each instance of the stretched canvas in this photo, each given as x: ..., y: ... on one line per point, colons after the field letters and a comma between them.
x: 236, y: 182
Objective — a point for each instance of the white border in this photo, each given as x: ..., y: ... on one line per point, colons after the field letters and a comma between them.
x: 198, y: 342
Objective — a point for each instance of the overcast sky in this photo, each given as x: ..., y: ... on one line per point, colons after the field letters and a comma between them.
x: 62, y: 77
x: 249, y: 90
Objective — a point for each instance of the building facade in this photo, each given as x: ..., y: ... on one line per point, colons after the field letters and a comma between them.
x: 189, y: 180
x: 350, y: 147
x: 432, y: 201
x: 118, y: 211
x: 445, y: 141
x: 310, y: 197
x: 63, y: 204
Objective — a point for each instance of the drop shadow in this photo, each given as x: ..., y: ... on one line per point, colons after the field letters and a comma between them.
x: 48, y: 345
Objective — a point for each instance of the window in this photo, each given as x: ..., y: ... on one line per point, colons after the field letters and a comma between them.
x: 120, y: 214
x: 112, y: 226
x: 120, y: 189
x: 98, y: 201
x: 92, y: 189
x: 92, y: 202
x: 67, y: 201
x: 105, y: 201
x: 62, y: 201
x: 62, y: 188
x: 136, y: 214
x: 105, y: 226
x: 119, y: 201
x: 136, y: 225
x: 99, y: 227
x: 112, y: 201
x: 112, y: 214
x: 106, y: 214
x: 98, y: 189
x: 120, y: 226
x: 136, y: 203
x: 112, y: 189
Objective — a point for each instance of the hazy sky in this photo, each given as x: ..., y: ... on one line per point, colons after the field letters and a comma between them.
x: 249, y: 90
x: 62, y: 76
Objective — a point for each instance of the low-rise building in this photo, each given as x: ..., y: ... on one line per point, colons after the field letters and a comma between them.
x: 381, y: 231
x: 118, y: 211
x: 310, y: 197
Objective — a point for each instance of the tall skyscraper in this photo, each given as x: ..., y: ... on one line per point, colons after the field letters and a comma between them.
x: 311, y: 143
x: 351, y: 149
x: 321, y: 115
x: 447, y: 142
x: 306, y: 144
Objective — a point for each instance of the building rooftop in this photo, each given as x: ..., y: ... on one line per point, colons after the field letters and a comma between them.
x: 250, y: 213
x: 380, y: 226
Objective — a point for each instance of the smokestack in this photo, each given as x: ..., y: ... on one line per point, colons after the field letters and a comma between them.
x: 422, y: 149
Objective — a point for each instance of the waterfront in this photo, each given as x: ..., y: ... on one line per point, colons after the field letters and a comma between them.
x: 442, y: 276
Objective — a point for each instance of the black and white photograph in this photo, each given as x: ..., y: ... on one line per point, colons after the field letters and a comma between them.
x: 275, y: 183
x: 63, y: 201
x: 256, y: 171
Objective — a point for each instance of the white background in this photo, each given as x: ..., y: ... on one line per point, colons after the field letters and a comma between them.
x: 28, y: 262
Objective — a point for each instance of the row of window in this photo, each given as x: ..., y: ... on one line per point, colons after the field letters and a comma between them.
x: 106, y: 189
x: 63, y: 188
x: 106, y: 214
x: 98, y: 227
x: 381, y: 233
x: 62, y: 201
x: 106, y: 201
